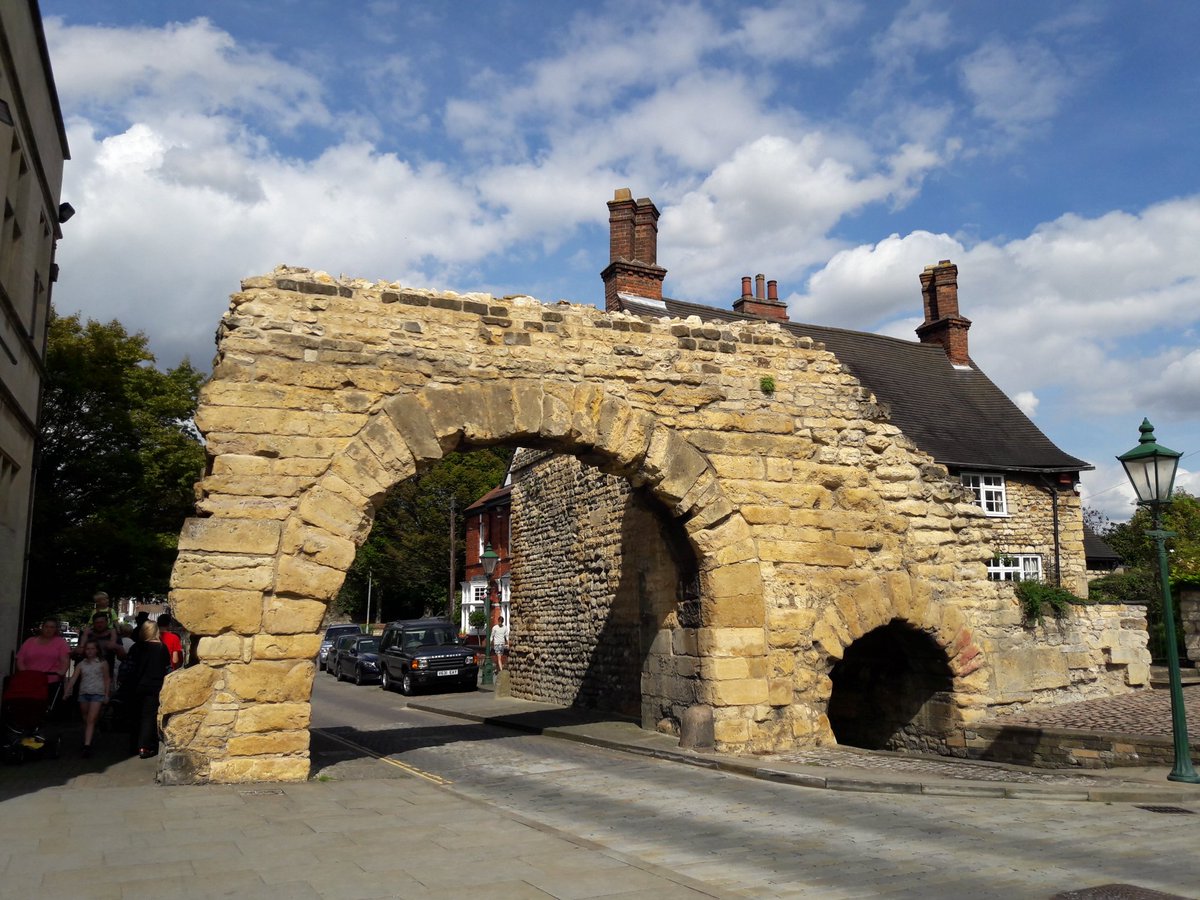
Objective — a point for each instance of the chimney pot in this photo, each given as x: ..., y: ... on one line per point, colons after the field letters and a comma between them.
x: 760, y: 282
x: 622, y: 194
x: 773, y: 290
x: 746, y: 286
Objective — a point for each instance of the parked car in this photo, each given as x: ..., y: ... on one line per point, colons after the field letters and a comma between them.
x: 332, y: 633
x: 72, y: 638
x: 357, y: 657
x: 417, y: 653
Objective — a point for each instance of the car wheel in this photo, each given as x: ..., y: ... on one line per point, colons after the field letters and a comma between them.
x: 385, y: 680
x: 337, y: 673
x: 358, y: 676
x: 406, y: 685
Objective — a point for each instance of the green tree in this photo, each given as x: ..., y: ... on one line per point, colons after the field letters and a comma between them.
x: 117, y: 463
x: 407, y: 553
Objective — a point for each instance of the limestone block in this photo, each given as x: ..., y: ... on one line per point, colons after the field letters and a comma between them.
x: 623, y: 432
x: 292, y: 615
x: 317, y: 545
x: 223, y: 647
x: 381, y: 436
x: 731, y: 641
x: 766, y: 515
x: 205, y: 612
x: 286, y: 646
x: 737, y: 692
x: 197, y: 572
x: 186, y: 689
x: 305, y: 579
x: 585, y: 403
x: 527, y: 407
x: 411, y: 421
x: 242, y: 770
x: 725, y: 667
x: 280, y: 743
x: 732, y: 532
x: 267, y: 421
x: 683, y: 642
x: 360, y: 468
x: 272, y: 717
x: 224, y: 535
x: 1137, y: 674
x: 730, y: 732
x: 271, y: 682
x: 779, y: 691
x: 180, y: 730
x: 335, y: 513
x: 1020, y: 671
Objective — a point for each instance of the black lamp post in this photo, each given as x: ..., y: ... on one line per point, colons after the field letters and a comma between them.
x: 1151, y: 469
x: 489, y: 559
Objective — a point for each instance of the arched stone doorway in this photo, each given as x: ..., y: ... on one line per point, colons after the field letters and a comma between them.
x: 893, y: 689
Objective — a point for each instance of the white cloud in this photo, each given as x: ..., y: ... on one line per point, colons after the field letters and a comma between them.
x: 1061, y: 309
x: 1027, y: 402
x: 1015, y: 85
x: 802, y: 30
x: 139, y: 72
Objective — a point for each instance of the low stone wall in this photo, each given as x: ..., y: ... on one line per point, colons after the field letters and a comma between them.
x: 1061, y: 748
x: 1189, y: 611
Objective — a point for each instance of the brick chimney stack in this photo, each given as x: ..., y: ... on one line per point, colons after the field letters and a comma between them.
x: 632, y: 250
x: 762, y: 303
x: 943, y: 324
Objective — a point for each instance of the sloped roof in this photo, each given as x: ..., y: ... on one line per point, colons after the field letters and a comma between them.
x: 956, y: 414
x: 495, y: 497
x: 1096, y: 548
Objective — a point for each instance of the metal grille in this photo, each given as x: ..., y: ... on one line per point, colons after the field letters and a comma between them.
x: 1173, y: 810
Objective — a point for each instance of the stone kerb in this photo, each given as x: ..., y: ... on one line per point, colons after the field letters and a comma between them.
x: 253, y: 588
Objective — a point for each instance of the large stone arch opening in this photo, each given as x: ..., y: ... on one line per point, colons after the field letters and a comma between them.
x: 893, y: 689
x: 242, y: 712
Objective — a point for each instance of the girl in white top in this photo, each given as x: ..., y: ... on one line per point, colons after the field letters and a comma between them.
x: 94, y: 690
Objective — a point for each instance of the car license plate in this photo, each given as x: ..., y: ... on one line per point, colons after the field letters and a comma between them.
x: 447, y: 672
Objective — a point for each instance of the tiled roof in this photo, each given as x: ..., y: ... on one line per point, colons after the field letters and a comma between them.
x: 1096, y: 548
x: 494, y: 497
x: 956, y: 414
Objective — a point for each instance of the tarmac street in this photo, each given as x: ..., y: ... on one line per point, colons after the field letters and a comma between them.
x: 407, y: 802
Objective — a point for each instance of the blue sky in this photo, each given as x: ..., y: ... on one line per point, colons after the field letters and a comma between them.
x: 838, y: 147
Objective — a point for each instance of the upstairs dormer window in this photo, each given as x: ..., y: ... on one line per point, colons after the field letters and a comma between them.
x: 989, y: 492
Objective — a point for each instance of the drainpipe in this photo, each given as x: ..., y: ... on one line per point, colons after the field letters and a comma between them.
x: 1053, y: 488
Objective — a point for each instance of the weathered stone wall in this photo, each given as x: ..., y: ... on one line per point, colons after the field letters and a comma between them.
x: 1029, y: 528
x: 1189, y: 612
x: 811, y: 518
x: 595, y: 585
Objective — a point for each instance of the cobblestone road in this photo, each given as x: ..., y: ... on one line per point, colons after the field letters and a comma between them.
x: 1143, y: 712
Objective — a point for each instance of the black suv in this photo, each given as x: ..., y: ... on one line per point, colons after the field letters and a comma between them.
x: 417, y: 653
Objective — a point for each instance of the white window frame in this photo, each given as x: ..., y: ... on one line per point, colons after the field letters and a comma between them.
x: 1015, y: 567
x: 990, y: 490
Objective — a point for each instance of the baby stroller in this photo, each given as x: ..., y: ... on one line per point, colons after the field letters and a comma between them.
x: 24, y: 706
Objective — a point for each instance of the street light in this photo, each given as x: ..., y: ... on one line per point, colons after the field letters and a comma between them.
x: 1151, y: 468
x: 489, y: 559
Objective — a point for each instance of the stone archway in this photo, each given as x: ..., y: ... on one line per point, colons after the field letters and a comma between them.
x: 892, y: 690
x: 812, y: 518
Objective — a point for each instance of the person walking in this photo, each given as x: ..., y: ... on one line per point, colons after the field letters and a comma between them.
x: 150, y: 662
x: 47, y: 651
x: 95, y: 688
x: 106, y: 640
x: 500, y: 642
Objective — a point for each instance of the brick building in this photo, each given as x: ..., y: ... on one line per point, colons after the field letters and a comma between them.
x: 487, y: 525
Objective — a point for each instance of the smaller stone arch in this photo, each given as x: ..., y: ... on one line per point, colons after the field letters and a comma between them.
x: 881, y: 630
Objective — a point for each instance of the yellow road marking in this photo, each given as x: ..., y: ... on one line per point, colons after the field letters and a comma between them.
x: 411, y: 770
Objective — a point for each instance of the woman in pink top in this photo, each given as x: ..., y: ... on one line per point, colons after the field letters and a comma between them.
x: 47, y: 652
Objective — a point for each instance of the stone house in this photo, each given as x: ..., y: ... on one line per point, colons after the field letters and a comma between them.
x: 487, y: 525
x: 578, y: 532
